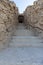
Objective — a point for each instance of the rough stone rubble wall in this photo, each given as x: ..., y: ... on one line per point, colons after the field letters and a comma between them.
x: 34, y: 17
x: 8, y: 21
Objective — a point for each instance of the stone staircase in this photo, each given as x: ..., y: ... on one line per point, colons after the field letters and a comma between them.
x: 24, y: 49
x: 24, y: 37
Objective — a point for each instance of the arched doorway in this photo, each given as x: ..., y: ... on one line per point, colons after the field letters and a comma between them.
x: 20, y: 18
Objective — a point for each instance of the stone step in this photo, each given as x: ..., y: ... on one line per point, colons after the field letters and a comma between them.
x: 22, y: 41
x: 21, y: 26
x: 23, y: 32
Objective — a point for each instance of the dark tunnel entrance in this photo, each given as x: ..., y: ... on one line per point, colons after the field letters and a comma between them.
x: 20, y: 18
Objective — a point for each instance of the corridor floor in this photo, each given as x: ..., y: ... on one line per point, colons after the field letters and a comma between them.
x: 24, y: 49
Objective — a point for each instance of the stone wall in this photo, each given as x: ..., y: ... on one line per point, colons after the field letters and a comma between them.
x: 34, y: 17
x: 8, y: 21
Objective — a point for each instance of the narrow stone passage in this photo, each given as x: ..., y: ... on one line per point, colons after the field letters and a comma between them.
x: 24, y: 49
x: 26, y: 45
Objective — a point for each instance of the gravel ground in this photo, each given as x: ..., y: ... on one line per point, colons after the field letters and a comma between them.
x: 21, y: 56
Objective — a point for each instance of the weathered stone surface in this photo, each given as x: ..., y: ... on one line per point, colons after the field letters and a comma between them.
x: 8, y: 20
x: 34, y: 16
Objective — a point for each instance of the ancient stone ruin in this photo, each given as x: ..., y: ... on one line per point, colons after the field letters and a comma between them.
x: 9, y: 16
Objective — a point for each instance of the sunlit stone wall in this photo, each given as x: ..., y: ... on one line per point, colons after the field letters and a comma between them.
x: 8, y: 21
x: 34, y: 17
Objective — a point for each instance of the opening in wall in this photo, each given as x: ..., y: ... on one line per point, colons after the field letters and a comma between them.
x: 20, y: 18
